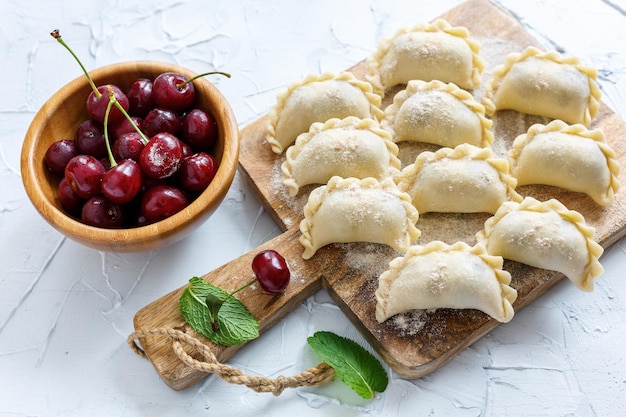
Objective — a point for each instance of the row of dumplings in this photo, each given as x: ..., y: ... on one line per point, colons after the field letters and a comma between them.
x: 532, y: 82
x: 463, y: 179
x: 335, y: 133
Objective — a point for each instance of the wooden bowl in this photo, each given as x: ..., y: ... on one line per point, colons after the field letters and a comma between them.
x: 65, y: 110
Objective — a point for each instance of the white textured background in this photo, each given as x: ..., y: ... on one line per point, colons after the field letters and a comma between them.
x: 65, y: 310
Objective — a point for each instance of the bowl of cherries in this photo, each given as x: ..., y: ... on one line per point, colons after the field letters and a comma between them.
x: 132, y: 156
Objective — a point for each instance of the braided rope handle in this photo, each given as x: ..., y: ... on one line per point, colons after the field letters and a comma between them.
x: 318, y: 375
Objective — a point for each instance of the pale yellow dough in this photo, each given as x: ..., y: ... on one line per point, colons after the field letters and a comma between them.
x: 545, y: 235
x: 349, y: 147
x: 318, y: 98
x: 570, y: 157
x: 466, y: 179
x: 439, y: 113
x: 430, y: 51
x: 441, y: 276
x: 358, y: 210
x: 544, y: 84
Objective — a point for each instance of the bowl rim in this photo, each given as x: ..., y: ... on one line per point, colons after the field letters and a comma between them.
x: 148, y: 236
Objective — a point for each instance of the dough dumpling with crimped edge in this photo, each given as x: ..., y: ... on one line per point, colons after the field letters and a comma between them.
x: 545, y: 235
x: 438, y: 275
x: 427, y: 51
x: 466, y: 179
x: 358, y: 210
x: 566, y: 156
x: 350, y: 147
x: 318, y: 98
x: 544, y: 84
x: 438, y: 113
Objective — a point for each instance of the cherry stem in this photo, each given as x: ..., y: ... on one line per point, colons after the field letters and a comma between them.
x: 56, y: 34
x: 243, y: 287
x: 117, y: 104
x: 112, y: 101
x: 195, y: 77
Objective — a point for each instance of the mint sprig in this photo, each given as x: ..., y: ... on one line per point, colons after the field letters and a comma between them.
x: 224, y: 320
x: 354, y: 365
x: 229, y: 324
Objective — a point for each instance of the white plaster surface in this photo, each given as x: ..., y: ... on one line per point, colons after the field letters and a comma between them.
x: 66, y: 310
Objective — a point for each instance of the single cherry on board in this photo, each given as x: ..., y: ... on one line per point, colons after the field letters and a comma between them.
x: 271, y: 270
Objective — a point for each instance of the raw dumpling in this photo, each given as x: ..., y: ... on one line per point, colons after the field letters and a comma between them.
x: 544, y: 84
x: 316, y: 99
x: 349, y: 147
x: 426, y: 52
x: 442, y: 276
x: 465, y: 179
x: 545, y: 235
x: 570, y: 157
x: 439, y: 113
x: 353, y: 210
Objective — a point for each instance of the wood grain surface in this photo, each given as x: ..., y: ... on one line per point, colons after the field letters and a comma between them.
x: 417, y: 343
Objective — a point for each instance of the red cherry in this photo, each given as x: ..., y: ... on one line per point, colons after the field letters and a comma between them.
x: 96, y: 106
x: 160, y: 120
x: 199, y: 129
x: 162, y: 201
x: 59, y: 154
x: 162, y: 156
x: 170, y: 91
x: 128, y: 146
x: 70, y: 201
x: 89, y: 137
x: 121, y: 183
x: 125, y: 126
x: 140, y: 97
x: 197, y: 171
x: 100, y: 212
x: 84, y: 174
x: 271, y: 271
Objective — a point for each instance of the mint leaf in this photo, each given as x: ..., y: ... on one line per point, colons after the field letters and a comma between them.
x: 235, y: 323
x: 354, y: 365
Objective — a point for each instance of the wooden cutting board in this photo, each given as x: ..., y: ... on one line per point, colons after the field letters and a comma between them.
x: 416, y: 343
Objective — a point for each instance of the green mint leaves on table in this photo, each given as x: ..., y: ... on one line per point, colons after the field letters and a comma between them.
x: 354, y: 365
x: 200, y: 304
